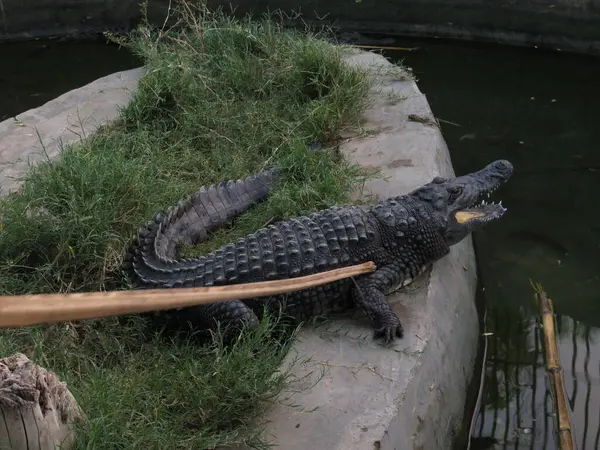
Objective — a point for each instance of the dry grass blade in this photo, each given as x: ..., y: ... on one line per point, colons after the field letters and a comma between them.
x: 387, y: 47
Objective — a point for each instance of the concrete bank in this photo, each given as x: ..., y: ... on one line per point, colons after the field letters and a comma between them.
x: 569, y: 25
x: 38, y: 133
x: 349, y: 392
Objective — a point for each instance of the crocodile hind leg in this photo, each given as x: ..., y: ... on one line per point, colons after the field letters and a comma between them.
x: 231, y: 317
x: 368, y: 295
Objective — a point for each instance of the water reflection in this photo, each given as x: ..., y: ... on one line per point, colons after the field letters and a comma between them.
x: 517, y: 410
x: 511, y: 383
x: 580, y: 352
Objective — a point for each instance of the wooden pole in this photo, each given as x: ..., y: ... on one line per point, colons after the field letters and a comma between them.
x: 25, y: 310
x: 555, y: 371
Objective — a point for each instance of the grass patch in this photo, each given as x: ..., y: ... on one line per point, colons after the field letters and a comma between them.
x: 221, y: 99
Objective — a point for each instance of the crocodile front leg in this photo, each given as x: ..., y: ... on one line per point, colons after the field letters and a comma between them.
x: 368, y: 295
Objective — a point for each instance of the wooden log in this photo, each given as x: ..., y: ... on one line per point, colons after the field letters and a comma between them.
x: 24, y: 310
x: 37, y: 411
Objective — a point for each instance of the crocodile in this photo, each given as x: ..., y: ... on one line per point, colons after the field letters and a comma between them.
x: 402, y: 235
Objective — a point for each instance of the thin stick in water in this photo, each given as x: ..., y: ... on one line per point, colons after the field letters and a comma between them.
x: 554, y: 369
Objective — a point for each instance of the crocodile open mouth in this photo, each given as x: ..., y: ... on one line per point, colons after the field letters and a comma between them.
x: 481, y: 210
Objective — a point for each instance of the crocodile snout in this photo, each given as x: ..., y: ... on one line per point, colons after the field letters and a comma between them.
x: 503, y: 167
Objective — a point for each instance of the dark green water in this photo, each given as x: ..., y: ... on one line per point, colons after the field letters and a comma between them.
x: 537, y: 109
x: 38, y: 71
x: 540, y: 110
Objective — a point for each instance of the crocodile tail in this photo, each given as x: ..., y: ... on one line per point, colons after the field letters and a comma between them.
x: 153, y: 254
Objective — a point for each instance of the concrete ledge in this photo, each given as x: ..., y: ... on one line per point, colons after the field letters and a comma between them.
x: 565, y: 24
x: 491, y: 35
x: 38, y: 133
x: 349, y: 392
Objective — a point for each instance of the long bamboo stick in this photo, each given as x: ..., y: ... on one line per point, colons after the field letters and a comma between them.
x: 554, y: 369
x: 386, y: 47
x: 25, y: 310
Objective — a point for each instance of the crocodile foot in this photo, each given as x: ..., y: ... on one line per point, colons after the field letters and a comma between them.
x: 389, y: 329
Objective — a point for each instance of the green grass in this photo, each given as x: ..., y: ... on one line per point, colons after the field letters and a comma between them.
x: 221, y: 99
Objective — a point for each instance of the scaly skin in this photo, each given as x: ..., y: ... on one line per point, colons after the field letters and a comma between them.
x: 402, y: 235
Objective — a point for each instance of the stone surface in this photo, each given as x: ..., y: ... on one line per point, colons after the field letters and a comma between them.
x: 38, y: 133
x: 568, y: 25
x: 349, y: 392
x: 571, y: 25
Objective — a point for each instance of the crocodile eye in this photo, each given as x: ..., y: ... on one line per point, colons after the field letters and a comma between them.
x: 454, y: 192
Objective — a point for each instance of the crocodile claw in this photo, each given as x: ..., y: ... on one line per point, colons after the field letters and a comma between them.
x: 390, y: 330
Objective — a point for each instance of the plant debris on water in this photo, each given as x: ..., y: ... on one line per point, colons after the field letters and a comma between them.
x: 221, y: 99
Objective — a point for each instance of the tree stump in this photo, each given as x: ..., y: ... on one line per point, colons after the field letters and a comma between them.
x: 37, y: 410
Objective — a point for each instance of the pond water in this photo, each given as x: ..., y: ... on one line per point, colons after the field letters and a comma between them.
x: 537, y: 109
x: 38, y: 71
x: 540, y: 110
